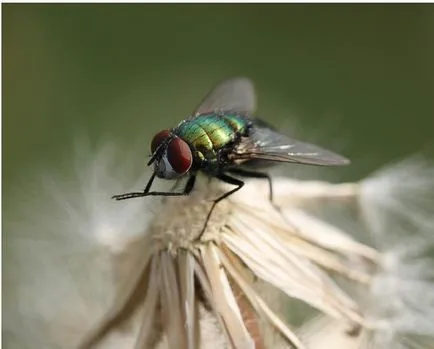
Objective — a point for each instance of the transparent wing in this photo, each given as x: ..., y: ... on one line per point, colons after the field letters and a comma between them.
x: 266, y: 144
x: 237, y: 94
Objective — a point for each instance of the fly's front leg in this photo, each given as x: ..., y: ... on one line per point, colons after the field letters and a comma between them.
x: 187, y: 190
x: 136, y: 194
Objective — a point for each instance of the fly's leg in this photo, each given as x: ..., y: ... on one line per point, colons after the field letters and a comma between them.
x: 136, y: 194
x: 253, y: 174
x: 227, y: 179
x: 187, y: 190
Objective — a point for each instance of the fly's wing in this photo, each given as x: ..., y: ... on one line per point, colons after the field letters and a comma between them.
x: 266, y: 144
x: 237, y: 95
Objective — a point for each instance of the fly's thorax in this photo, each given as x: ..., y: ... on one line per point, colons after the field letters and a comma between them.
x: 211, y: 136
x: 211, y: 131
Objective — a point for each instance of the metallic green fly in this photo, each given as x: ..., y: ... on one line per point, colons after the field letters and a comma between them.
x: 222, y: 140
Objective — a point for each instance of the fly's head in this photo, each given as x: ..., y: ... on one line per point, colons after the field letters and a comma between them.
x: 171, y: 155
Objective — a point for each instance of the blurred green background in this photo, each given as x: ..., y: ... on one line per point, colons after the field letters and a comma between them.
x: 358, y: 77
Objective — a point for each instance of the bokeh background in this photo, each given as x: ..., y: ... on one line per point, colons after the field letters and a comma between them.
x: 355, y: 78
x: 359, y: 78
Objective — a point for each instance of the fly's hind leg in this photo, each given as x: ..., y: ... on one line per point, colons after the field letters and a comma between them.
x: 227, y: 179
x: 254, y: 174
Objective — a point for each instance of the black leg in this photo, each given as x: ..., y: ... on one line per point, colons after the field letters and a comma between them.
x: 187, y: 190
x: 227, y: 179
x: 252, y: 174
x: 149, y: 184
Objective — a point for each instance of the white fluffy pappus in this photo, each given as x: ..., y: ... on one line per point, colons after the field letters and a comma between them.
x: 85, y: 271
x: 397, y: 210
x: 60, y: 232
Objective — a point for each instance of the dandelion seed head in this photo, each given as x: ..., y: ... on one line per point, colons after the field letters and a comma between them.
x: 137, y: 272
x: 61, y: 231
x: 396, y: 206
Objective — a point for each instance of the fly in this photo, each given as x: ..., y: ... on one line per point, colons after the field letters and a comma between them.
x: 223, y: 140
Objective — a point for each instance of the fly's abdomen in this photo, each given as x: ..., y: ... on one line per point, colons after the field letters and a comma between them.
x: 210, y: 132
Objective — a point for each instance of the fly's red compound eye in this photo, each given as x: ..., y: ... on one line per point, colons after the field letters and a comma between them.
x: 158, y: 139
x: 179, y: 156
